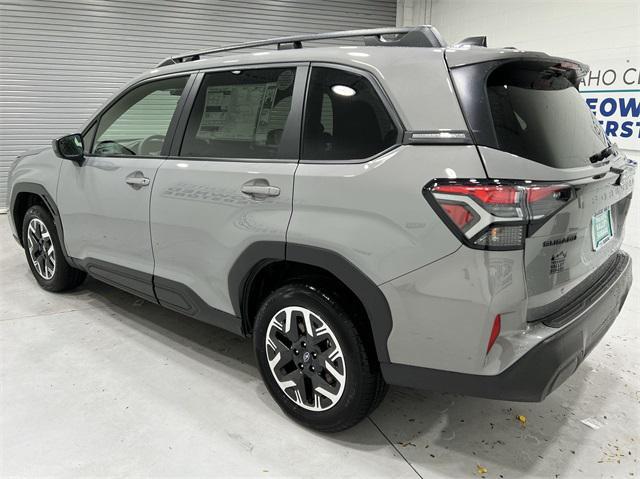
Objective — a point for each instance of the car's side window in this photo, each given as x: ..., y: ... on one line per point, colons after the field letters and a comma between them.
x: 137, y: 124
x: 345, y: 119
x: 240, y: 114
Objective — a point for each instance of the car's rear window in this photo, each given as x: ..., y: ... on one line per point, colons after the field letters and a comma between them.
x: 533, y: 110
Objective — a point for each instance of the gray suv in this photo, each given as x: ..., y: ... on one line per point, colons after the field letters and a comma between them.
x: 403, y: 212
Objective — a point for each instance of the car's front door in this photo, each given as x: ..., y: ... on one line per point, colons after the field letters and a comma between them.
x: 227, y: 185
x: 104, y: 201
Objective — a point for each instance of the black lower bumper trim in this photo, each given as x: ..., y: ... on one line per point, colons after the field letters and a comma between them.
x: 544, y: 367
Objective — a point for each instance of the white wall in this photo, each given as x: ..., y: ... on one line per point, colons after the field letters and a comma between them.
x: 605, y: 34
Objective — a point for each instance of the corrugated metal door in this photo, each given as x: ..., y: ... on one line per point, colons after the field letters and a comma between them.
x: 60, y: 60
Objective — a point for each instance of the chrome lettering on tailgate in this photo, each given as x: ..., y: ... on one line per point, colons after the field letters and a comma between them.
x: 555, y: 242
x: 612, y: 192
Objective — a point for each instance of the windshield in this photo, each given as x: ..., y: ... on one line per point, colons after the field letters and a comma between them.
x: 534, y: 111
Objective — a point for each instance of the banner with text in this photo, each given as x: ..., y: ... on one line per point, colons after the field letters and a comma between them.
x: 613, y: 94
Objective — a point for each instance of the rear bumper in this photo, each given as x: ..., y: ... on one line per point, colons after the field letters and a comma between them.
x: 541, y: 370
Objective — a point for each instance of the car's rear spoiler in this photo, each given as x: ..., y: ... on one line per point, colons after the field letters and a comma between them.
x: 459, y: 57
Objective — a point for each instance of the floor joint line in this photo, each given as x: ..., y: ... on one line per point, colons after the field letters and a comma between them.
x: 394, y: 446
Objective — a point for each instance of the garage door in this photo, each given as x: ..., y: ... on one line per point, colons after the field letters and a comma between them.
x: 59, y: 61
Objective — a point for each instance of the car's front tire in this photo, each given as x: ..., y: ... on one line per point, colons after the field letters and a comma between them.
x: 313, y: 360
x: 44, y: 252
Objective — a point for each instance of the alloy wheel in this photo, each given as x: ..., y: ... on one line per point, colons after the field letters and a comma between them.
x: 41, y: 250
x: 305, y: 358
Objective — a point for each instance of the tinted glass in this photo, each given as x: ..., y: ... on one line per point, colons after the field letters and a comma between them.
x: 537, y: 113
x: 137, y: 124
x: 88, y: 138
x: 345, y: 118
x: 240, y: 114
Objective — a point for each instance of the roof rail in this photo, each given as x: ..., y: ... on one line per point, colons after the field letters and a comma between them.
x: 472, y: 41
x: 421, y: 36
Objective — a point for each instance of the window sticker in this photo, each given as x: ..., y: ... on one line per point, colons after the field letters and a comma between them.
x: 262, y: 128
x: 237, y: 112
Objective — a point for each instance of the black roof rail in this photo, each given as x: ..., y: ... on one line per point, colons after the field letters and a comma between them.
x: 421, y: 36
x: 472, y: 41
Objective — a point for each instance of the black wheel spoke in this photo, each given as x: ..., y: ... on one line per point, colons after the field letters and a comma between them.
x: 32, y: 236
x: 283, y: 339
x: 289, y: 371
x: 309, y: 391
x: 294, y: 332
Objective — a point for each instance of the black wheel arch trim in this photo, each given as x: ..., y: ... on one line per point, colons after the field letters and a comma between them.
x: 40, y: 191
x: 258, y: 255
x: 246, y: 267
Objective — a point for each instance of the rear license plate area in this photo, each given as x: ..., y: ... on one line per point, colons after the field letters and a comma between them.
x: 601, y: 228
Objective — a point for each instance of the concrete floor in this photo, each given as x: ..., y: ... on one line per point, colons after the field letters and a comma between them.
x: 100, y: 383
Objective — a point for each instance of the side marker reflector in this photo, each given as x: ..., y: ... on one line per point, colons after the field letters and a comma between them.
x: 495, y: 332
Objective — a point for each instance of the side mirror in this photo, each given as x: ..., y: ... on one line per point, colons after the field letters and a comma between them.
x: 70, y: 147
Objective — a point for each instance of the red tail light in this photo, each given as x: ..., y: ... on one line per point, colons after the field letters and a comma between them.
x: 461, y: 215
x: 495, y: 332
x: 494, y: 214
x: 486, y: 194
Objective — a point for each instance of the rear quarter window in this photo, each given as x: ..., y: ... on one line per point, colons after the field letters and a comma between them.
x: 345, y: 118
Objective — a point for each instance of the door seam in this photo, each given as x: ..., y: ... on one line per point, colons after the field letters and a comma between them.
x: 153, y: 255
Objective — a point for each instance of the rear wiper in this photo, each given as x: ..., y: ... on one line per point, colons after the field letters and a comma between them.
x: 604, y: 154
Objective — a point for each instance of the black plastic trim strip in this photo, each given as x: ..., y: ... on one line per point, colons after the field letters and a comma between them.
x: 170, y: 294
x: 130, y: 280
x: 185, y: 113
x: 474, y: 140
x: 179, y: 297
x: 180, y: 111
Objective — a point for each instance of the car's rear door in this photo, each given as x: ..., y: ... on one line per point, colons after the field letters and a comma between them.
x: 104, y: 201
x: 227, y: 185
x: 533, y: 125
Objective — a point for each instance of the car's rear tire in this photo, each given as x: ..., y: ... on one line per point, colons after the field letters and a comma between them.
x: 313, y: 360
x: 44, y: 252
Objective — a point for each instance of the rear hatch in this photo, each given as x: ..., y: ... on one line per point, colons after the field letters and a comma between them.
x: 530, y: 123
